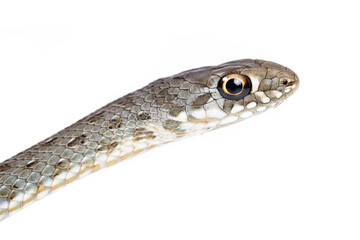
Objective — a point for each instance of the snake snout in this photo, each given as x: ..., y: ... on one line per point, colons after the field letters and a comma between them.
x: 296, y: 82
x: 289, y: 83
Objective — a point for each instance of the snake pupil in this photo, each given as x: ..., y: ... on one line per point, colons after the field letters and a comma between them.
x: 234, y: 86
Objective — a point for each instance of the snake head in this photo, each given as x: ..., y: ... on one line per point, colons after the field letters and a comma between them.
x: 235, y: 91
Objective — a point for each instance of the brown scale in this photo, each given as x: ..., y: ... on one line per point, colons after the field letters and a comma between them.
x: 96, y: 117
x: 144, y: 116
x: 77, y: 141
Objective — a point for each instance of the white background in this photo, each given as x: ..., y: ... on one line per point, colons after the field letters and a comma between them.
x: 291, y: 173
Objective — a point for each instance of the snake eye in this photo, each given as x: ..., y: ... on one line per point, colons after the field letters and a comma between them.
x: 234, y: 86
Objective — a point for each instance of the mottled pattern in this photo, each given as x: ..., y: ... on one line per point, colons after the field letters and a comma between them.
x: 165, y: 110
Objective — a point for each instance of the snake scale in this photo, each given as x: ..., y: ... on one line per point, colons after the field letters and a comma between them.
x: 188, y: 103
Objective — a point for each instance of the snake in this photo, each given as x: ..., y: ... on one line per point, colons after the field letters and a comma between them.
x: 168, y: 109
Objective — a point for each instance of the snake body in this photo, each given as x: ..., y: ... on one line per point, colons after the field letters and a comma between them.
x: 188, y: 103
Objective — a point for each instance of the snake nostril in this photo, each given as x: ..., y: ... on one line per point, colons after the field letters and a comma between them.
x: 287, y: 83
x: 284, y: 82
